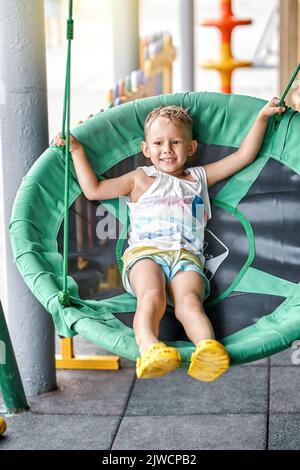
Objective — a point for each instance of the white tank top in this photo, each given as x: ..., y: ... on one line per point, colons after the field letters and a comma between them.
x: 172, y: 213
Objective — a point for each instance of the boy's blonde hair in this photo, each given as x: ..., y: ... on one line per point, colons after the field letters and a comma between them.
x: 175, y: 114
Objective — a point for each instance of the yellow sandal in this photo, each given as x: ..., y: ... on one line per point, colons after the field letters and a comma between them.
x: 157, y: 360
x: 209, y: 360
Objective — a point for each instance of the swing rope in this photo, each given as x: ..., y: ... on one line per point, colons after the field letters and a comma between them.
x: 64, y: 295
x: 289, y: 84
x: 278, y: 117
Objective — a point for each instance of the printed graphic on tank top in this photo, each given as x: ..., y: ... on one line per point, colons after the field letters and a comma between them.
x: 172, y: 213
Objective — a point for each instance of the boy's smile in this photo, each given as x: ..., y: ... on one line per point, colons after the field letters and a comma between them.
x: 168, y: 146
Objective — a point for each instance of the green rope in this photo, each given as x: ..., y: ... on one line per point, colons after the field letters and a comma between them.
x: 64, y: 295
x: 278, y: 117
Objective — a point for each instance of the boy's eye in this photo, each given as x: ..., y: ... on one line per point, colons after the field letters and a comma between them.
x: 176, y: 142
x: 157, y: 142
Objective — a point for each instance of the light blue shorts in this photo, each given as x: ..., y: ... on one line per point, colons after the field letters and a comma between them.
x: 171, y: 262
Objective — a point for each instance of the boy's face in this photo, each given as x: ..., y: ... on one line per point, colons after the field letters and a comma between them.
x: 168, y: 146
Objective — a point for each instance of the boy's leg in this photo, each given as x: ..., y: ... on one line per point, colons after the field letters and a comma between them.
x: 187, y: 293
x: 148, y: 282
x: 210, y: 358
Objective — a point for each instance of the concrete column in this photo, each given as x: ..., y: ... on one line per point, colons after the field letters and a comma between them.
x: 125, y: 37
x: 23, y: 137
x: 186, y: 45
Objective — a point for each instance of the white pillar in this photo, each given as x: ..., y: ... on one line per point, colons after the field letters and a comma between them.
x: 186, y: 45
x: 23, y: 137
x: 125, y: 37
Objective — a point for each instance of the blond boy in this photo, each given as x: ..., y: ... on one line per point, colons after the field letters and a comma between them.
x: 169, y: 208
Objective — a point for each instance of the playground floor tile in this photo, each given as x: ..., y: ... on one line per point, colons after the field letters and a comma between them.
x: 260, y: 362
x: 105, y: 410
x: 284, y: 358
x: 95, y: 392
x: 284, y: 390
x: 240, y: 390
x: 192, y: 432
x: 28, y: 431
x: 284, y: 432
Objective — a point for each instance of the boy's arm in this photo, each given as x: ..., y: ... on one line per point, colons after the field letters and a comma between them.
x: 249, y: 149
x: 92, y: 188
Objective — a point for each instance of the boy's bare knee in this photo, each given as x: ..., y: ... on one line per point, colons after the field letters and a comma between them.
x: 152, y: 296
x: 190, y: 302
x: 189, y: 298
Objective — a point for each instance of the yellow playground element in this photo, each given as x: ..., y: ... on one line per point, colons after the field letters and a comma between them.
x: 67, y: 359
x: 227, y: 63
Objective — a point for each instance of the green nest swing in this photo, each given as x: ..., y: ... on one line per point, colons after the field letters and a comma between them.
x: 255, y: 293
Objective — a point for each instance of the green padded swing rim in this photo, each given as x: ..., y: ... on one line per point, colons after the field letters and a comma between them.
x: 115, y: 134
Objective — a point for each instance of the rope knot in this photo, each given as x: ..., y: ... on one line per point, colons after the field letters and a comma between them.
x: 64, y: 298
